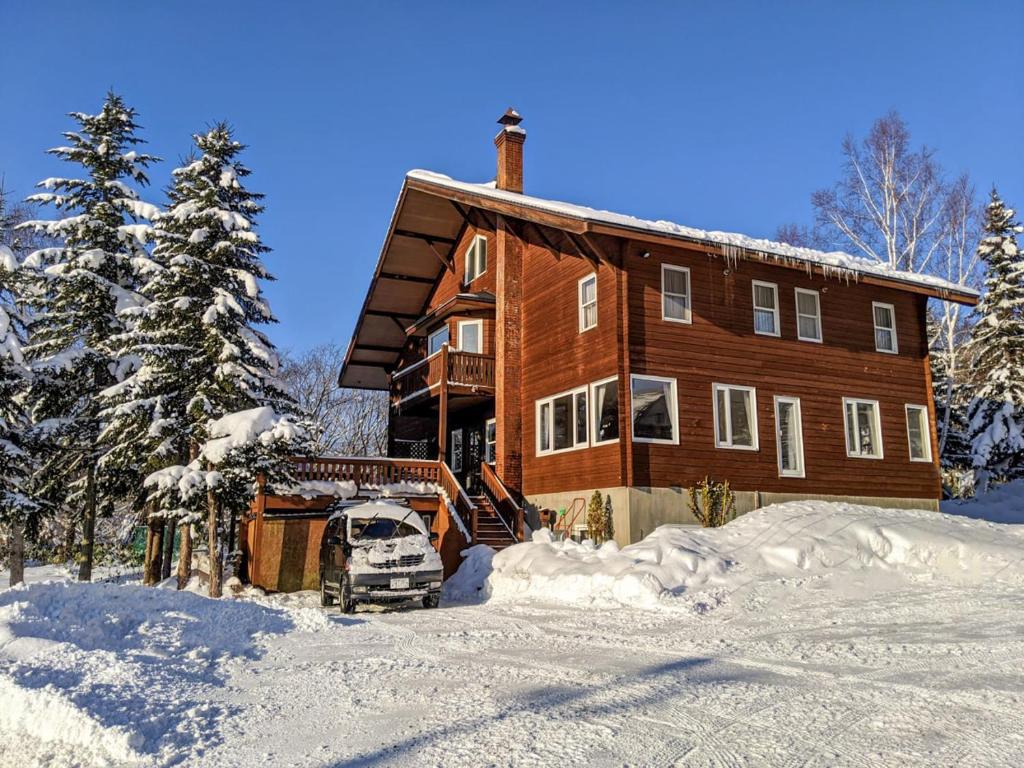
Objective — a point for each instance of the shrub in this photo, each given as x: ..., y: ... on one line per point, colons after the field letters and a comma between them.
x: 713, y: 504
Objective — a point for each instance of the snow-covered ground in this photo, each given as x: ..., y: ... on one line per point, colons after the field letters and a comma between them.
x: 810, y: 635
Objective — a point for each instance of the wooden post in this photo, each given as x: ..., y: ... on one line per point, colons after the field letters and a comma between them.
x: 442, y: 408
x: 474, y: 523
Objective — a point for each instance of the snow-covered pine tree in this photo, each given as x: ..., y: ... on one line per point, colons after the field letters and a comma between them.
x: 83, y: 287
x: 203, y: 357
x: 996, y: 421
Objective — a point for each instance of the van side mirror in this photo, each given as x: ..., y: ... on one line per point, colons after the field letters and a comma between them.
x: 432, y: 536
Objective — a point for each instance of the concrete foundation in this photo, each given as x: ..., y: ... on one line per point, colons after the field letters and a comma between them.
x: 638, y: 511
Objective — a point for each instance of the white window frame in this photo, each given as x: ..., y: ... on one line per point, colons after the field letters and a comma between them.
x: 875, y: 328
x: 817, y: 304
x: 595, y: 414
x: 755, y: 432
x: 794, y: 401
x: 673, y: 410
x: 430, y: 339
x: 926, y: 433
x: 476, y: 247
x: 579, y: 301
x: 846, y: 427
x: 688, y: 320
x: 490, y: 457
x: 479, y: 334
x: 462, y: 448
x: 754, y: 285
x: 550, y: 401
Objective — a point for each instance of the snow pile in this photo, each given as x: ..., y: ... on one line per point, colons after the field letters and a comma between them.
x: 310, y: 489
x: 90, y: 673
x: 793, y: 540
x: 346, y: 489
x: 374, y: 558
x: 1003, y: 504
x: 467, y: 584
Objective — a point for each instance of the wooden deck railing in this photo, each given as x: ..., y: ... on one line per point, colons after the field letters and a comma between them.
x: 368, y: 471
x: 464, y: 369
x: 504, y: 503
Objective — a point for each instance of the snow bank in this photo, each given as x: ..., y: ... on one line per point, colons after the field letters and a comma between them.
x: 90, y: 673
x: 1003, y: 504
x: 467, y: 584
x: 793, y: 540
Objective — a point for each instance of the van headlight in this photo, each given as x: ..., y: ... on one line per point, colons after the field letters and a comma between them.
x: 435, y: 585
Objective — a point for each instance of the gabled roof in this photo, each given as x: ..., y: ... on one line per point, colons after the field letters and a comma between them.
x: 433, y: 211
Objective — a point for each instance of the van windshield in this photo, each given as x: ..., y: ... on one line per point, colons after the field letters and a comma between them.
x: 381, y: 528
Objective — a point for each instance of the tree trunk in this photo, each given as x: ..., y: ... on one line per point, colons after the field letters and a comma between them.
x: 168, y: 556
x: 88, y: 526
x: 70, y: 531
x: 154, y: 550
x: 185, y: 556
x: 213, y: 526
x: 17, y: 552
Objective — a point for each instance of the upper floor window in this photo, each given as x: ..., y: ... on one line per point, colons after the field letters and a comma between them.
x: 588, y: 302
x: 471, y: 336
x: 885, y: 327
x: 735, y: 416
x: 562, y: 422
x: 808, y: 315
x: 476, y: 258
x: 437, y: 339
x: 654, y: 409
x: 766, y: 308
x: 604, y: 395
x: 918, y: 434
x: 863, y: 428
x: 675, y: 293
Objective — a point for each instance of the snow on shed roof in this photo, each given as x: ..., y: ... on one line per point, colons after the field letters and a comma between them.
x: 842, y: 264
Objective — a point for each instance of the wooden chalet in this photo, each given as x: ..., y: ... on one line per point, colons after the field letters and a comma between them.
x: 535, y: 351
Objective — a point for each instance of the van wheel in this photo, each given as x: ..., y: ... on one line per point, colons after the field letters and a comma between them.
x: 348, y: 605
x: 325, y: 598
x: 432, y: 600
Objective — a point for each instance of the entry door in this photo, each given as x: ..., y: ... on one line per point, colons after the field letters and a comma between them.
x: 474, y: 455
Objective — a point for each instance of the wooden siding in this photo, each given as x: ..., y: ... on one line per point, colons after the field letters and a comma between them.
x: 558, y: 357
x: 720, y: 347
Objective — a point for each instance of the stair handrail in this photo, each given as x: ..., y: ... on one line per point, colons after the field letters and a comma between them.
x: 567, y: 529
x: 459, y: 498
x: 501, y: 496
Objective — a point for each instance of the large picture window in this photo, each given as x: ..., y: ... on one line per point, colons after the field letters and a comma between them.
x: 735, y: 417
x: 789, y: 436
x: 675, y: 293
x: 918, y: 433
x: 654, y: 408
x: 563, y: 422
x: 808, y: 315
x: 863, y: 428
x: 588, y: 302
x: 604, y: 396
x: 885, y: 327
x: 476, y: 258
x: 766, y: 308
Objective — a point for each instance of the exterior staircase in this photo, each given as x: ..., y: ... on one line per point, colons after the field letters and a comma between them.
x: 490, y: 529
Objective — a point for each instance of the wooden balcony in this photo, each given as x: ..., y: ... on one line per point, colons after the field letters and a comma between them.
x: 457, y: 373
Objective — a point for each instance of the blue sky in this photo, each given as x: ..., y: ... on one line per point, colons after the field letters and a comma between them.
x: 721, y: 115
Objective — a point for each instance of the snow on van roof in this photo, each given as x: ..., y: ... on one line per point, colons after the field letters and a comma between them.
x: 387, y: 510
x: 836, y: 263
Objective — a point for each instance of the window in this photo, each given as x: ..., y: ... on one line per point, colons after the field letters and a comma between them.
x: 735, y: 417
x: 918, y: 434
x: 476, y: 258
x: 436, y: 340
x: 605, y: 398
x: 863, y: 428
x: 654, y: 408
x: 766, y: 308
x: 675, y: 293
x: 456, y: 464
x: 789, y: 436
x: 491, y: 441
x: 471, y: 335
x: 562, y: 422
x: 885, y: 327
x: 808, y: 315
x: 588, y: 302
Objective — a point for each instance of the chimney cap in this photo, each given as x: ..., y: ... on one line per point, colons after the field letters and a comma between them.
x: 510, y: 118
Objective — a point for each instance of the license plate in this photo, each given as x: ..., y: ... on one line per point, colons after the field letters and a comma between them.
x: 402, y: 583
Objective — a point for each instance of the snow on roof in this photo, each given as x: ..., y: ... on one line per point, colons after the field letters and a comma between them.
x: 837, y: 262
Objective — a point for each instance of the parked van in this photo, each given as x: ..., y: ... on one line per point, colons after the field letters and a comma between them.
x: 378, y: 552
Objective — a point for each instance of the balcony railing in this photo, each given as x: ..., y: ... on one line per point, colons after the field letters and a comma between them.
x: 462, y: 371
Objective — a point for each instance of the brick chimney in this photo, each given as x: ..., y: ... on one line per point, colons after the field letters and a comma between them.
x: 509, y: 142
